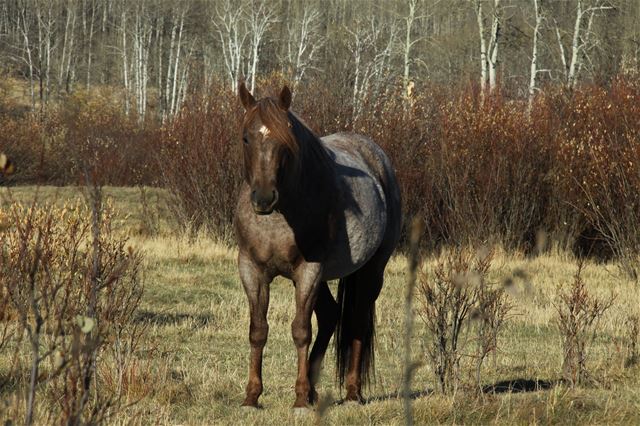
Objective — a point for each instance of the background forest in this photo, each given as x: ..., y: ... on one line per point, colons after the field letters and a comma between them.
x: 153, y: 53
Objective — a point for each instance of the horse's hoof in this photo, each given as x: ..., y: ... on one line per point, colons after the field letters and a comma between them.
x: 313, y: 397
x: 301, y: 411
x: 358, y: 400
x: 249, y: 408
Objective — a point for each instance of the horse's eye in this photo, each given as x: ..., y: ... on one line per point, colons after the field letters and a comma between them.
x: 245, y: 140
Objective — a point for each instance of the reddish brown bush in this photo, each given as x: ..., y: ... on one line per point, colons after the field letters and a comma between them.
x: 200, y: 160
x: 86, y: 133
x: 474, y: 171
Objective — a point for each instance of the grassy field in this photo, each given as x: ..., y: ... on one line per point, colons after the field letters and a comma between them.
x: 193, y: 361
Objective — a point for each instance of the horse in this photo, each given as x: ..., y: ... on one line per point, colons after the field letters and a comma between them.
x: 312, y: 210
x: 6, y: 166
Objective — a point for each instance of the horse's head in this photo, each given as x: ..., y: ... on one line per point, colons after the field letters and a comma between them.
x: 268, y: 145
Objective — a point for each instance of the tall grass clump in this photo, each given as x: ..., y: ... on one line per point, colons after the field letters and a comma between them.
x: 579, y: 313
x: 456, y: 297
x: 70, y: 287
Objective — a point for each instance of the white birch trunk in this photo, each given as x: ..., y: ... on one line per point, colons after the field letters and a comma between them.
x: 175, y: 68
x: 27, y: 46
x: 483, y: 49
x: 575, y: 47
x: 407, y: 42
x: 125, y: 76
x: 493, y: 46
x: 534, y: 56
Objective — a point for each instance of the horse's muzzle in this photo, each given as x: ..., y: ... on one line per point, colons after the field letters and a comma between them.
x: 264, y: 201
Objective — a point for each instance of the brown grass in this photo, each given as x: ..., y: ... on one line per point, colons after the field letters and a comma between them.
x: 193, y: 361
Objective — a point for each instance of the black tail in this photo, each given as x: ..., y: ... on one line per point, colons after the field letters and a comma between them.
x: 356, y: 321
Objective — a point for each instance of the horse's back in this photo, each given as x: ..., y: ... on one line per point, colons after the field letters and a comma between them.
x: 371, y: 203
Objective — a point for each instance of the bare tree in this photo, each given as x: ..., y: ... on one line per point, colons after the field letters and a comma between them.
x: 125, y: 71
x: 176, y: 64
x: 410, y: 40
x: 303, y: 43
x: 24, y: 27
x: 371, y: 49
x: 68, y: 46
x: 228, y: 23
x: 142, y: 33
x: 260, y: 18
x: 534, y: 53
x: 488, y: 46
x: 581, y: 40
x: 45, y: 21
x: 88, y: 20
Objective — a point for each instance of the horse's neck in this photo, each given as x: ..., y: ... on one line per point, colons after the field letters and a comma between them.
x: 315, y: 183
x: 317, y: 168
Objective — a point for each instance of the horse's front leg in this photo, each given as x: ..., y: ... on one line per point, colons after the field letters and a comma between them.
x: 256, y: 286
x: 307, y: 279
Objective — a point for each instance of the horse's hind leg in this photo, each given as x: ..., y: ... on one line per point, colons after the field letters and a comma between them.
x: 326, y: 310
x: 368, y: 281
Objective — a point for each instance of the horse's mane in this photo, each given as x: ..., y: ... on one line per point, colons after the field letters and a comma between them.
x: 288, y: 129
x: 275, y: 119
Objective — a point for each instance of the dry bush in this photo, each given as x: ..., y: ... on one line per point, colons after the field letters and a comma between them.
x: 72, y: 287
x: 476, y: 172
x: 200, y: 162
x: 97, y: 132
x: 597, y: 176
x: 53, y: 146
x: 489, y: 317
x: 453, y: 298
x: 579, y: 314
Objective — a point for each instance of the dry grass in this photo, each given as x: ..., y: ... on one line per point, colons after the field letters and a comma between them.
x: 195, y: 364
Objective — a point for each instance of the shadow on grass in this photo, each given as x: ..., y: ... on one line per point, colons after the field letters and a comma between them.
x: 504, y: 386
x: 11, y: 381
x: 171, y: 319
x: 388, y: 397
x: 519, y: 386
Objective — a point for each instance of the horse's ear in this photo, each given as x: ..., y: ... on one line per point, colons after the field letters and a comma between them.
x: 246, y: 97
x: 285, y: 98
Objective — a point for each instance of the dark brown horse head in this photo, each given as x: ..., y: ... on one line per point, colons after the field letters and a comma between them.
x: 269, y: 146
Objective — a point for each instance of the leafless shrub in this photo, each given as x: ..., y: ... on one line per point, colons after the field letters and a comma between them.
x: 457, y: 294
x: 73, y: 287
x: 613, y: 206
x: 579, y: 314
x: 491, y: 312
x: 200, y: 161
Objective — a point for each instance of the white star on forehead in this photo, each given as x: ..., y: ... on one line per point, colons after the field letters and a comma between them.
x: 264, y: 130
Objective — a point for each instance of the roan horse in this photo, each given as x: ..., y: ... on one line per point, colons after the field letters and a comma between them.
x: 313, y: 210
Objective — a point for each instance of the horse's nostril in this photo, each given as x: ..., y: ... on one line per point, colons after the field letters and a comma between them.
x: 264, y: 199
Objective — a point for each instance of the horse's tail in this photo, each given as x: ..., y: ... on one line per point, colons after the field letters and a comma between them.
x: 356, y: 320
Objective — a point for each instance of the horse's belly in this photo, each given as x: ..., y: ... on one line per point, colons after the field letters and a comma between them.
x: 357, y: 232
